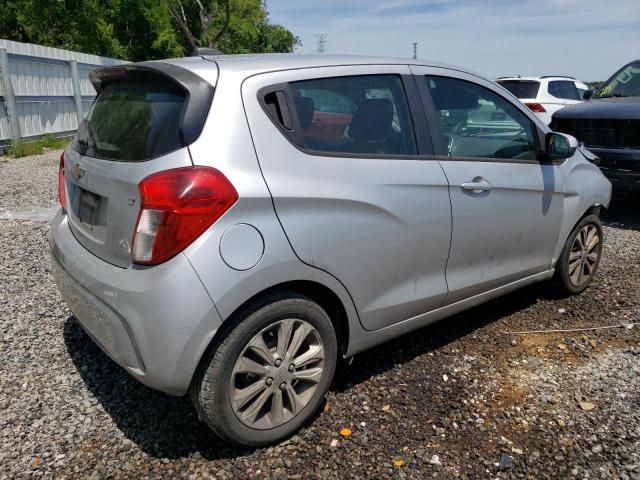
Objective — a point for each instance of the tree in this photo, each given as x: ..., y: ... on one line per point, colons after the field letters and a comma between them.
x: 233, y: 26
x: 208, y: 37
x: 144, y: 29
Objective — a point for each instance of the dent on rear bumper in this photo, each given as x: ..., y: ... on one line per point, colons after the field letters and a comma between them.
x: 155, y: 322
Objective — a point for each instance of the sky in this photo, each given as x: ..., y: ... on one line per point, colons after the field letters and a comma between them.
x: 586, y: 39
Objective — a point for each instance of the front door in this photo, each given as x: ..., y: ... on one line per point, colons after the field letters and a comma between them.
x: 506, y: 204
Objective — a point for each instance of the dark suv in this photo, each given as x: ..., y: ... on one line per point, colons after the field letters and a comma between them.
x: 609, y: 125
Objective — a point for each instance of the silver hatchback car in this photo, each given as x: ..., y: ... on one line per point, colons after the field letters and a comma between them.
x: 232, y: 225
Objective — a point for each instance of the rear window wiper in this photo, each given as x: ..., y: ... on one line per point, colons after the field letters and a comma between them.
x: 85, y: 134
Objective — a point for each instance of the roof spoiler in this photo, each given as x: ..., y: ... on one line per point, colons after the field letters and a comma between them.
x: 557, y: 76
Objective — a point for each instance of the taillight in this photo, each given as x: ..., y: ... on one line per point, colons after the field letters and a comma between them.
x: 176, y: 207
x: 535, y: 107
x: 61, y: 193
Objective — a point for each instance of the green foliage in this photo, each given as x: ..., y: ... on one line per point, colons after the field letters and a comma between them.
x: 139, y: 29
x: 52, y: 142
x: 249, y: 31
x: 24, y: 149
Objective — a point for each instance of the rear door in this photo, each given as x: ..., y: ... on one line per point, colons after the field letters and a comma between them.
x: 506, y: 204
x: 139, y: 124
x: 362, y: 201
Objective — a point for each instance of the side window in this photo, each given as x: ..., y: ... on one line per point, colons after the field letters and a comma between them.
x: 476, y: 122
x: 329, y: 101
x: 365, y: 114
x: 563, y: 89
x: 581, y: 92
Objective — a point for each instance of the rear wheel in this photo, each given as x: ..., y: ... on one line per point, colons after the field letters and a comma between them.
x: 269, y: 374
x: 581, y: 255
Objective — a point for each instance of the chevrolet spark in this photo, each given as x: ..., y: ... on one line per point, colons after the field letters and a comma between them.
x: 231, y: 226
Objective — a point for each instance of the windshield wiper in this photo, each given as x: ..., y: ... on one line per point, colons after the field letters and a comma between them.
x: 616, y: 95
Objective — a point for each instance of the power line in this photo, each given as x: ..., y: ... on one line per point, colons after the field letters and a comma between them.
x: 415, y: 50
x: 321, y: 42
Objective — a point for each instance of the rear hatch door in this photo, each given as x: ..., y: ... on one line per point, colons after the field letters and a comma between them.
x: 141, y: 123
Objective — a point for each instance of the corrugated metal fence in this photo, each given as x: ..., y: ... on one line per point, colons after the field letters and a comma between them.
x: 44, y: 90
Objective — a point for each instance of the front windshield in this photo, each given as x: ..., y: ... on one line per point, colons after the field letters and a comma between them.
x: 626, y: 83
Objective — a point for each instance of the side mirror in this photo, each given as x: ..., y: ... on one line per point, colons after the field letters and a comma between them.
x: 588, y: 94
x: 559, y: 145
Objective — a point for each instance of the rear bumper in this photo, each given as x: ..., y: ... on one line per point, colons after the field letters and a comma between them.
x: 620, y: 166
x: 154, y: 322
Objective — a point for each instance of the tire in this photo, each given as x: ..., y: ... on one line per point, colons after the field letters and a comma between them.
x: 588, y: 259
x: 221, y: 389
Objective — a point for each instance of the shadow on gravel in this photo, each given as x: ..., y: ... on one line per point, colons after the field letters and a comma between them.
x: 403, y: 349
x: 166, y: 426
x: 159, y: 424
x: 623, y: 213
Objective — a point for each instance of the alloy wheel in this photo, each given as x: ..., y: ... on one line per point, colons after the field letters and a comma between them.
x: 277, y: 374
x: 584, y: 255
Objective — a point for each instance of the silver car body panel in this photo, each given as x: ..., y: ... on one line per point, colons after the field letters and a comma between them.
x: 155, y: 322
x: 480, y: 259
x: 226, y: 144
x: 583, y: 189
x: 116, y: 184
x: 380, y: 225
x: 375, y: 232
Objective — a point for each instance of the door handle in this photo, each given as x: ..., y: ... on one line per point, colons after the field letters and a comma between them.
x: 477, y: 185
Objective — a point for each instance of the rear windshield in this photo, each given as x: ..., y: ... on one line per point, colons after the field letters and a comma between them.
x: 133, y: 121
x: 521, y: 88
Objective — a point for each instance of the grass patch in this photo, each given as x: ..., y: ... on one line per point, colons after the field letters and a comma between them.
x: 23, y: 149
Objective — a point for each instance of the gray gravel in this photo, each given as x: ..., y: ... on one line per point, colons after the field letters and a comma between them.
x: 459, y: 399
x: 29, y: 182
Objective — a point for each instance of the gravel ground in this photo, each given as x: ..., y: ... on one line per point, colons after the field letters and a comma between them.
x: 449, y: 401
x: 29, y: 182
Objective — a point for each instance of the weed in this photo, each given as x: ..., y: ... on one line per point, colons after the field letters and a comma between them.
x: 24, y: 149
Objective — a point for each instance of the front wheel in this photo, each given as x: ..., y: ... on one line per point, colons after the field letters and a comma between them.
x: 269, y: 374
x: 580, y: 256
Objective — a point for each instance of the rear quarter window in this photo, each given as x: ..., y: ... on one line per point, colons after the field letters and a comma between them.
x: 564, y: 89
x: 133, y: 120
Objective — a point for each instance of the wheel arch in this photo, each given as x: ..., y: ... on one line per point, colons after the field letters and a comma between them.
x: 570, y: 222
x: 315, y: 291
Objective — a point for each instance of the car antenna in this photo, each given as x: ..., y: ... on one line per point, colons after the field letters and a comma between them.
x: 199, y: 51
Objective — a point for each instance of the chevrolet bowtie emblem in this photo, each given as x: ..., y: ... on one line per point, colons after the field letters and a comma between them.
x: 77, y: 170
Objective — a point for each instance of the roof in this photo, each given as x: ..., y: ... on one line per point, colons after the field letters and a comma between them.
x: 257, y: 63
x: 287, y: 61
x: 543, y: 77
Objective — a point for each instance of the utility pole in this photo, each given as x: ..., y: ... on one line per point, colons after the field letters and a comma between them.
x: 321, y: 42
x: 415, y: 50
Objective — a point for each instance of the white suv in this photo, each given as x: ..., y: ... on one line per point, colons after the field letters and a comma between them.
x: 545, y: 95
